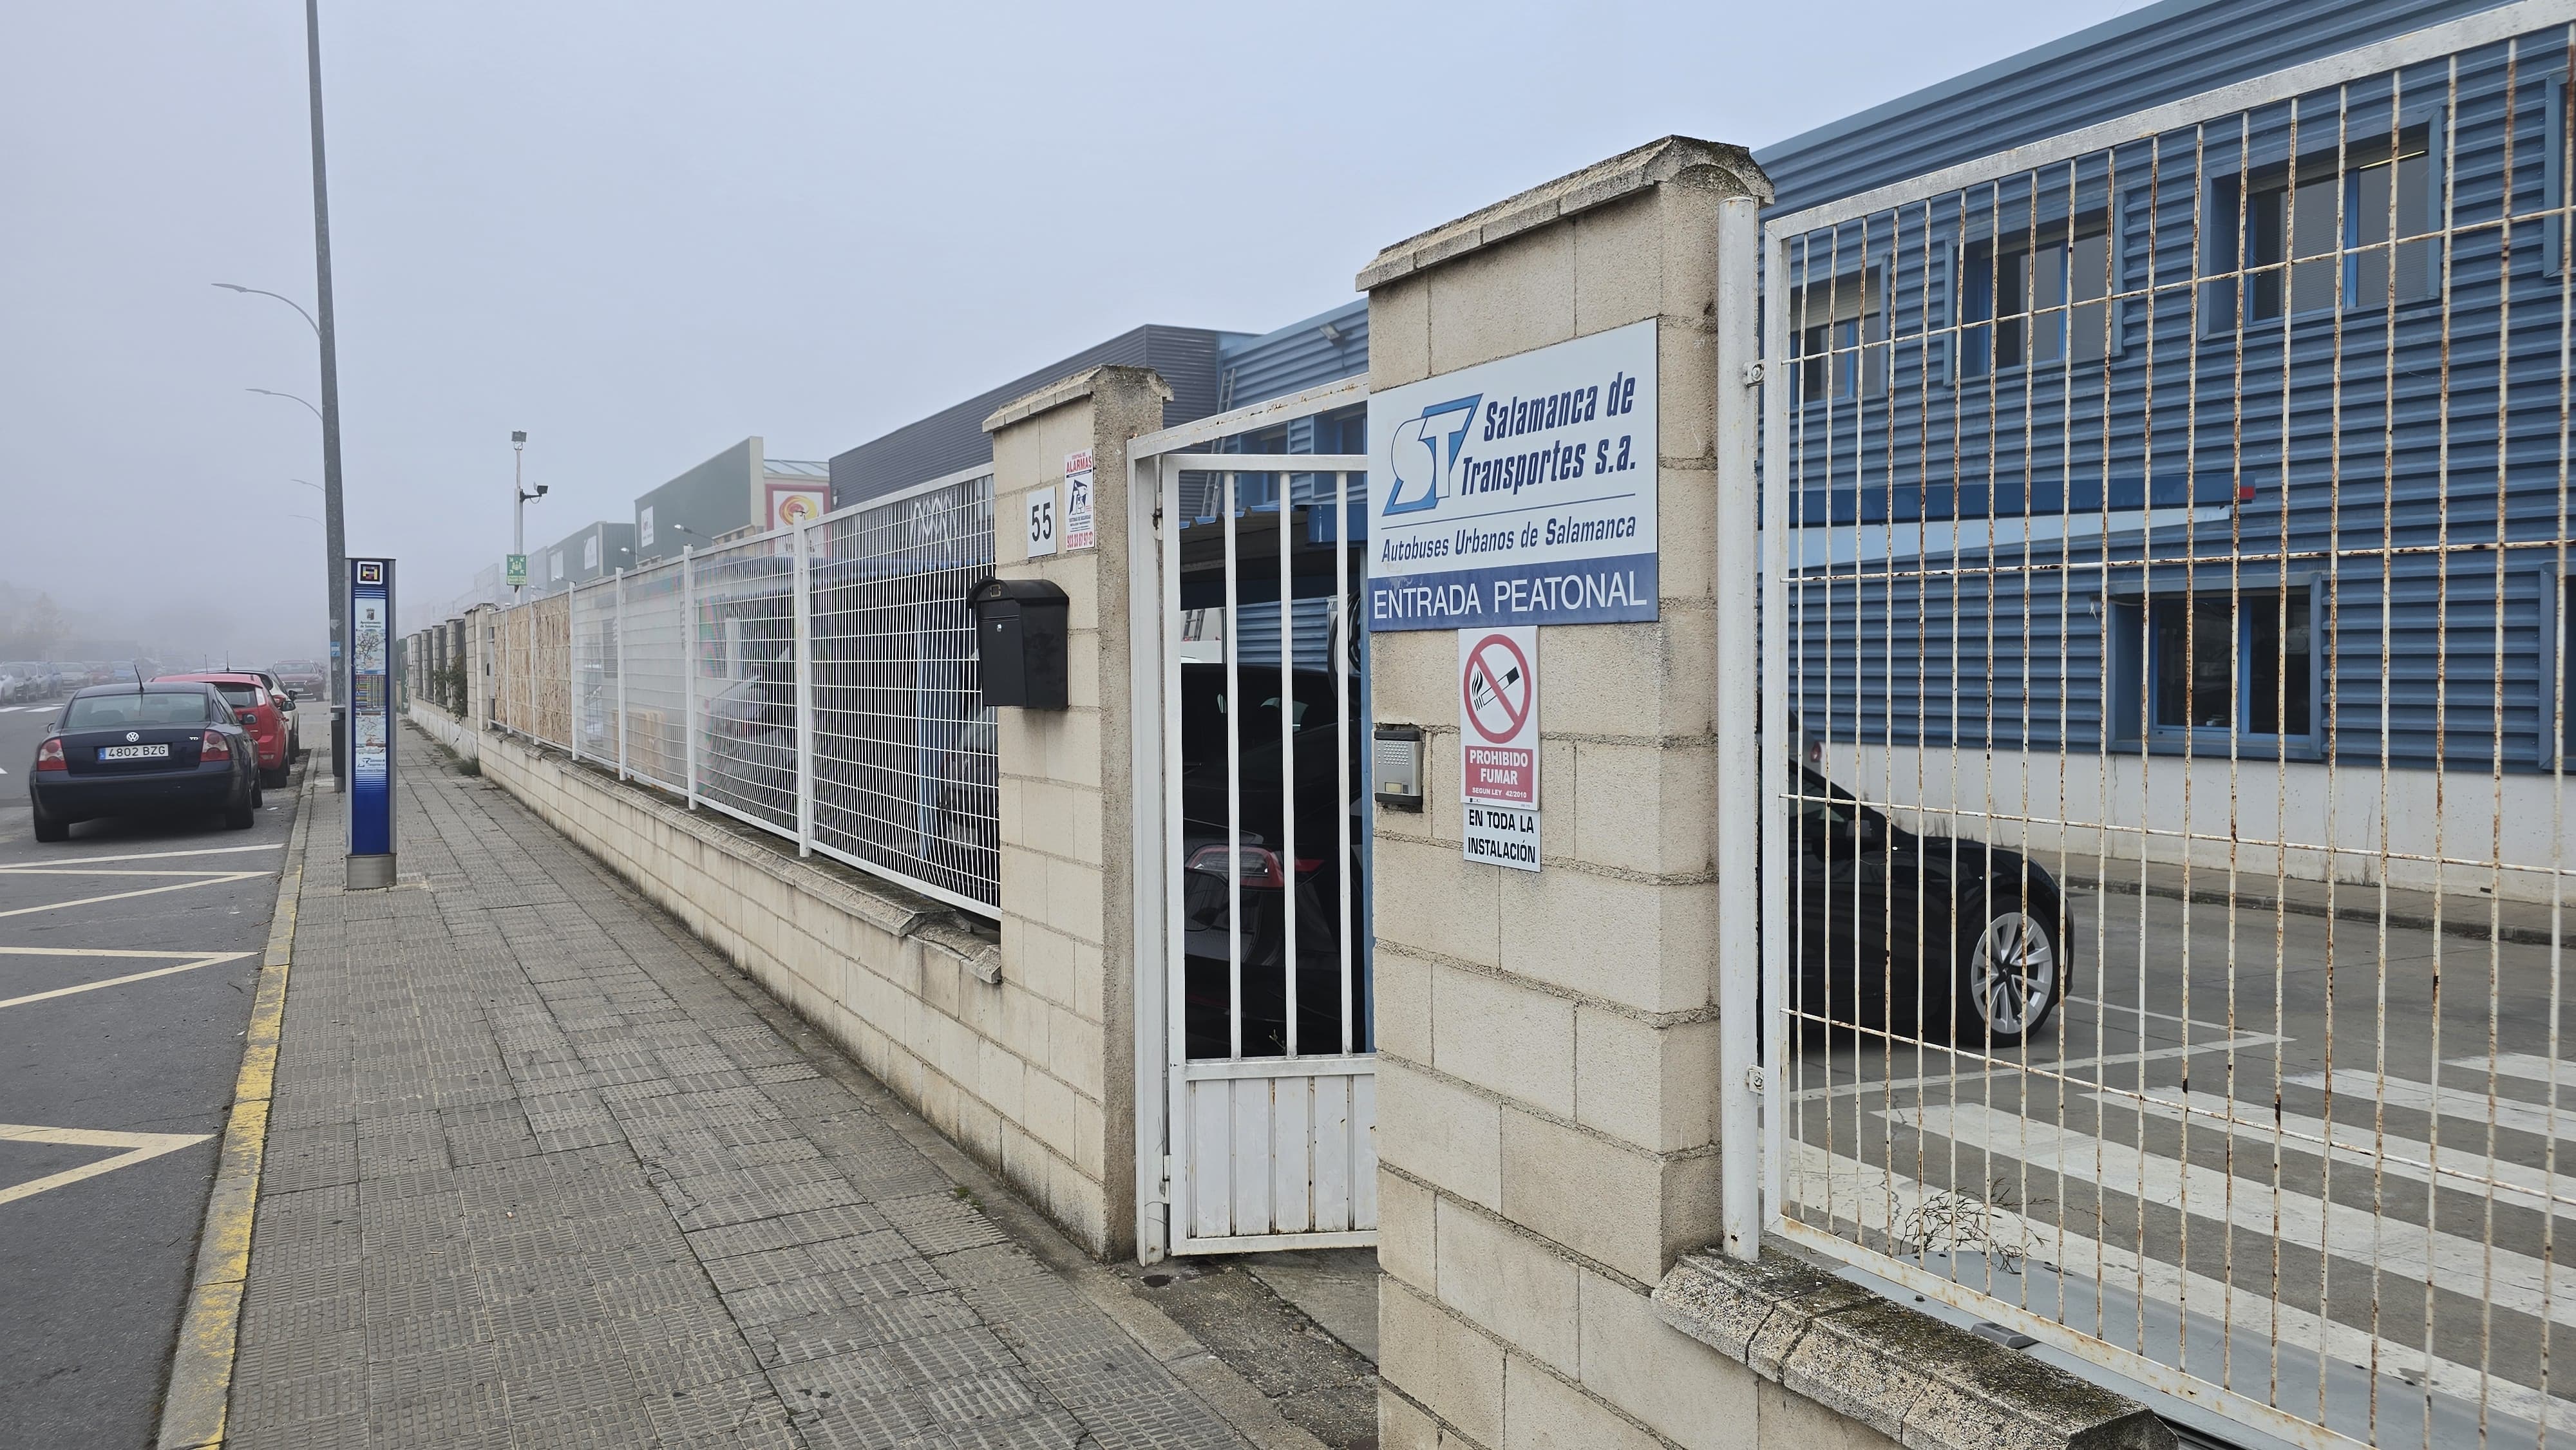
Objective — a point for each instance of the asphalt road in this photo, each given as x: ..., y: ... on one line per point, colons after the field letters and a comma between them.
x: 96, y: 1268
x: 2068, y: 1174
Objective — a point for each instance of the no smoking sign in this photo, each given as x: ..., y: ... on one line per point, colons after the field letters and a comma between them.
x: 1498, y: 716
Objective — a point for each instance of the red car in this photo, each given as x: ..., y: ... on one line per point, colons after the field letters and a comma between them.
x: 261, y: 713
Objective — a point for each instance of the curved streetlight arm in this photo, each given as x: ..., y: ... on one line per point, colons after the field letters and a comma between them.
x: 290, y: 397
x: 280, y: 296
x: 308, y: 483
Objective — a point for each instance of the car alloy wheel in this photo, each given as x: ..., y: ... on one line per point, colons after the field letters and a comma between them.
x: 2012, y: 975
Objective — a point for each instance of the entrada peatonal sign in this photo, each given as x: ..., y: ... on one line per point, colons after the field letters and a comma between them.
x: 1520, y: 491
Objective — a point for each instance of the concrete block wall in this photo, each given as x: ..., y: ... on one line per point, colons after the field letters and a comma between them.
x: 1067, y: 826
x: 1548, y: 1042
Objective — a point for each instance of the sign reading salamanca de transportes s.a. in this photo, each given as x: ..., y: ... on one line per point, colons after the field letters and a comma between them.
x: 1520, y: 491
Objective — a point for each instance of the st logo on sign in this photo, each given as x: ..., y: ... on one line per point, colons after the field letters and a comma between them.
x: 1498, y: 744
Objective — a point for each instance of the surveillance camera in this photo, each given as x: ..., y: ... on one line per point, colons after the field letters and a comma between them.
x: 519, y: 435
x: 541, y: 490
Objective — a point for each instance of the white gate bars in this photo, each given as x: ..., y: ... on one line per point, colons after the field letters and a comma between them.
x: 1250, y: 689
x: 816, y: 682
x: 2165, y: 582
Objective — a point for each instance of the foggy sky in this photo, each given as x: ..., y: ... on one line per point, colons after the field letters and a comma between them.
x: 642, y: 231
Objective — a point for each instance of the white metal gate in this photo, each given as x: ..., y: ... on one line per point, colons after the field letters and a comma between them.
x: 1252, y: 979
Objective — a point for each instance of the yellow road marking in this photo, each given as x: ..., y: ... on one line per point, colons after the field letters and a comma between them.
x: 206, y: 961
x: 144, y: 856
x: 224, y: 879
x: 201, y: 1370
x: 139, y: 1147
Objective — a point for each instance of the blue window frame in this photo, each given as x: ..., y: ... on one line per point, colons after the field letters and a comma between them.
x: 2209, y: 666
x: 2032, y: 298
x: 2282, y: 241
x: 1838, y: 337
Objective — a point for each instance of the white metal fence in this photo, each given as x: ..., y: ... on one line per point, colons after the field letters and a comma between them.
x: 816, y: 682
x: 2166, y: 535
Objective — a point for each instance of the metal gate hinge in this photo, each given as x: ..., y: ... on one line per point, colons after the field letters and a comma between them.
x: 1753, y: 373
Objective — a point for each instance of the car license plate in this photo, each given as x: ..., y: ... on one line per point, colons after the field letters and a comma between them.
x: 134, y: 752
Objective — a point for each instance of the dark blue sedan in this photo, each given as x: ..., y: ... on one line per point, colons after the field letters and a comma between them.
x: 170, y: 748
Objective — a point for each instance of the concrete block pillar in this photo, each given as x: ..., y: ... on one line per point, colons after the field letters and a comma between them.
x: 481, y: 623
x: 1052, y: 1094
x: 1548, y: 1075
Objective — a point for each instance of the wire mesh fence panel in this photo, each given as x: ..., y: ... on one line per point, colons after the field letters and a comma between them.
x: 2166, y: 552
x: 593, y: 686
x: 742, y: 647
x: 904, y: 774
x: 654, y: 630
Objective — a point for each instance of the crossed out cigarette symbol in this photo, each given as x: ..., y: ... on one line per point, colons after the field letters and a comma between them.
x: 1497, y: 684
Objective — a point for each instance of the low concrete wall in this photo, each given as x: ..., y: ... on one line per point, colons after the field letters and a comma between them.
x: 2442, y: 834
x: 902, y: 983
x: 446, y: 729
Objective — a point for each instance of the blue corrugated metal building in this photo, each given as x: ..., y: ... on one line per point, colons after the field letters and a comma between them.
x: 2245, y: 436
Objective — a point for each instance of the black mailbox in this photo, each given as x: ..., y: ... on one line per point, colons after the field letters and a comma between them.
x: 1019, y: 642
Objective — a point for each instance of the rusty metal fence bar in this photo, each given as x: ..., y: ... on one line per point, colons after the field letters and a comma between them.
x: 843, y: 715
x: 2164, y: 668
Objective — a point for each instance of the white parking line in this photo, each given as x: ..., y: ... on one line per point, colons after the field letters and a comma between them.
x: 221, y: 879
x: 138, y: 856
x: 139, y: 1146
x: 187, y: 962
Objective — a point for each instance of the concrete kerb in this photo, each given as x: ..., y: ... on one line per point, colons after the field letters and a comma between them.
x: 201, y: 1368
x: 1924, y: 1383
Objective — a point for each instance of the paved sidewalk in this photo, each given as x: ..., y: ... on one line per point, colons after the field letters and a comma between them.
x: 538, y: 1176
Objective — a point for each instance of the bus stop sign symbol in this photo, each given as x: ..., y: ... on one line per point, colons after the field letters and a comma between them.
x: 1498, y: 715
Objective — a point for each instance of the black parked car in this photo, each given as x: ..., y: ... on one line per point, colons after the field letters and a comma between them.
x: 165, y: 748
x: 1271, y: 878
x: 1943, y: 935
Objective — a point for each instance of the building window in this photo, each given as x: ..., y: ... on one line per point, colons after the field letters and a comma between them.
x: 1838, y: 337
x: 2029, y: 299
x: 2290, y: 244
x: 2241, y: 664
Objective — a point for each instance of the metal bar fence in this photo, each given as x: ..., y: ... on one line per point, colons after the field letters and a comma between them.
x: 693, y: 676
x: 2165, y: 550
